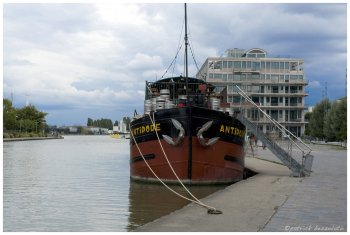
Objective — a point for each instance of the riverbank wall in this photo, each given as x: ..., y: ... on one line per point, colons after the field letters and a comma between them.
x: 32, y: 138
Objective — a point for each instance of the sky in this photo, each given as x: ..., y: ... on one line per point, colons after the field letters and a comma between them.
x: 76, y: 61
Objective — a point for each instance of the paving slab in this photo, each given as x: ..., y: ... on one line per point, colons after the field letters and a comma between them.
x: 320, y: 202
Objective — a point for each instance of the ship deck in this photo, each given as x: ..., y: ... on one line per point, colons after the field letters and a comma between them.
x: 272, y: 200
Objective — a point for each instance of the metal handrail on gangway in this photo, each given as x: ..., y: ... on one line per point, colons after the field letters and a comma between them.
x: 298, y: 169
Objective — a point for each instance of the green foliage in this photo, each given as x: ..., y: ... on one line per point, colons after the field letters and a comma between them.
x: 102, y: 123
x: 107, y: 123
x: 335, y: 122
x: 90, y: 122
x: 317, y: 118
x: 307, y: 119
x: 328, y: 120
x: 9, y: 113
x: 24, y: 120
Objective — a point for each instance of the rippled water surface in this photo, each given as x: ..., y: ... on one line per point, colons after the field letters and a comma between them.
x: 79, y: 183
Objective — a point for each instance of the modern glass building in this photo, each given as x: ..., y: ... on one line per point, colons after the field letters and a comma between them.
x: 276, y: 84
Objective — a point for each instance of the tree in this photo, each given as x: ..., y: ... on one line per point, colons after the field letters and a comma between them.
x: 101, y: 123
x: 32, y: 119
x: 26, y: 119
x: 335, y: 122
x: 317, y: 119
x: 341, y: 132
x: 9, y: 112
x: 90, y: 122
x: 307, y: 119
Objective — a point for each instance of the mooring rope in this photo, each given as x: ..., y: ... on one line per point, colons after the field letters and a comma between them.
x: 166, y: 158
x: 211, y: 210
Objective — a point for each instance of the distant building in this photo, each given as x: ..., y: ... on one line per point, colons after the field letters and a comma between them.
x: 73, y: 129
x: 121, y: 128
x: 276, y: 84
x: 99, y: 130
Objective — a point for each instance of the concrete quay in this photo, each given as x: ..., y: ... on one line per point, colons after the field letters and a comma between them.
x: 271, y: 200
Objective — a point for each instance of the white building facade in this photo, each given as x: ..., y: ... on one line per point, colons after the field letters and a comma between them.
x: 276, y: 84
x: 121, y: 128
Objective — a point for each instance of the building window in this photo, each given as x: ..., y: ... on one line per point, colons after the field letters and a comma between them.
x: 255, y: 89
x: 274, y: 89
x: 281, y: 65
x: 237, y: 64
x: 256, y: 65
x: 255, y: 76
x: 218, y: 75
x: 215, y: 64
x: 274, y: 101
x: 274, y: 65
x: 262, y: 90
x: 286, y: 65
x: 249, y: 64
x: 274, y: 78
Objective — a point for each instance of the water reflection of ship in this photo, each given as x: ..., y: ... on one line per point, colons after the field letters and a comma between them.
x: 148, y: 202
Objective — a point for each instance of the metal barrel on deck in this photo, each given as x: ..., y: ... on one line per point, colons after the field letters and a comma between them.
x: 154, y: 103
x: 165, y: 93
x: 214, y: 103
x: 148, y: 106
x: 160, y: 103
x: 169, y: 104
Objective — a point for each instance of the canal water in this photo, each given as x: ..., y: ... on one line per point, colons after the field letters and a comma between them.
x: 80, y: 183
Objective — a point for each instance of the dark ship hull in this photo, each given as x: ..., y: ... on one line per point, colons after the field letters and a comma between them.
x: 204, y: 146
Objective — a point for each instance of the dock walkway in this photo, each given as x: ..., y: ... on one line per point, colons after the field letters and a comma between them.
x: 271, y: 200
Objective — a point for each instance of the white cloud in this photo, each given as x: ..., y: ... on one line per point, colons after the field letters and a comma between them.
x: 94, y: 56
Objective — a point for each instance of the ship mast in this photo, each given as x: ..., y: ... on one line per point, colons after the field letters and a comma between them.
x: 186, y: 43
x: 189, y: 167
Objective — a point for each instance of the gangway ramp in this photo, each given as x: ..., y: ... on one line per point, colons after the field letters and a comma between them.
x: 291, y: 150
